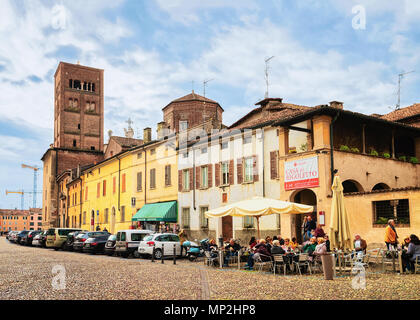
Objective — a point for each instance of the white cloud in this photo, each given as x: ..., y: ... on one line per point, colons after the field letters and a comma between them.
x: 191, y: 11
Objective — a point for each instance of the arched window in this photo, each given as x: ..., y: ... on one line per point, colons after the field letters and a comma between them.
x: 75, y: 103
x: 352, y: 186
x: 92, y: 106
x: 71, y: 83
x: 70, y: 103
x: 380, y: 186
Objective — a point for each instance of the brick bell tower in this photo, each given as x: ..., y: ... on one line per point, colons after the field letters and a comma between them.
x: 78, y: 107
x: 78, y: 133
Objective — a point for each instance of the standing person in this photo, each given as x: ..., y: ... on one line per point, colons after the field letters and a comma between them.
x: 182, y: 238
x: 391, y: 237
x: 327, y: 243
x: 310, y: 225
x: 303, y: 227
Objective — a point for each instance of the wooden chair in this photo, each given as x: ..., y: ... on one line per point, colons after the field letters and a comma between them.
x: 303, y: 261
x: 279, y: 262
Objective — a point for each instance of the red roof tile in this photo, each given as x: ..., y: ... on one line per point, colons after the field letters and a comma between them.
x: 403, y: 113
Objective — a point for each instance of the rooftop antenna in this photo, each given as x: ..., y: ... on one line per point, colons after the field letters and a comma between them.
x: 400, y: 77
x: 267, y: 68
x: 205, y: 85
x: 192, y: 86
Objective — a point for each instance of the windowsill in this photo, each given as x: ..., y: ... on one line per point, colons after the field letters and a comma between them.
x: 224, y: 185
x: 249, y: 228
x: 168, y: 185
x: 204, y: 228
x: 203, y: 188
x: 402, y: 225
x: 248, y: 182
x: 186, y: 190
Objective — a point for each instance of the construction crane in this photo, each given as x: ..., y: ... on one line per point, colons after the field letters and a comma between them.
x: 22, y: 198
x: 34, y: 192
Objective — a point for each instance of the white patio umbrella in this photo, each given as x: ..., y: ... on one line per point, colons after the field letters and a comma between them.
x: 258, y: 207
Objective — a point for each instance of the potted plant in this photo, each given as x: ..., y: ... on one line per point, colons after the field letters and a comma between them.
x: 373, y: 152
x: 386, y: 155
x: 344, y: 148
x: 402, y: 158
x: 355, y: 150
x: 414, y: 160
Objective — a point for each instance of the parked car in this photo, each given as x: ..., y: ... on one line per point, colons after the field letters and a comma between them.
x: 43, y: 239
x: 159, y: 241
x: 83, y: 236
x: 70, y: 240
x: 13, y: 236
x: 36, y: 240
x: 10, y: 235
x: 95, y: 244
x: 56, y: 237
x: 29, y: 237
x: 20, y: 235
x: 127, y: 241
x: 110, y: 245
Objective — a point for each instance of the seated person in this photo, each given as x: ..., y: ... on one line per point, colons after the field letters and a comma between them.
x: 405, y: 243
x: 260, y: 251
x: 252, y: 242
x: 232, y: 249
x: 287, y: 246
x: 268, y: 242
x: 281, y: 240
x: 294, y: 243
x: 360, y: 245
x: 310, y: 247
x: 321, y: 247
x: 276, y: 249
x: 319, y: 232
x: 211, y: 245
x: 413, y: 252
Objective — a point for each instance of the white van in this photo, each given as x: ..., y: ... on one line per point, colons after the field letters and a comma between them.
x: 128, y: 241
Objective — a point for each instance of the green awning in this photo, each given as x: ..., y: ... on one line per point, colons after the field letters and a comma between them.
x: 161, y: 211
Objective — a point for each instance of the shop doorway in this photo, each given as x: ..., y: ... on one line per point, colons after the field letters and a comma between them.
x: 308, y: 197
x: 227, y: 230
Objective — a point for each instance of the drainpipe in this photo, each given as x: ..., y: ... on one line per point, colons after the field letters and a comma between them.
x: 145, y: 176
x: 332, y: 145
x: 194, y: 177
x: 263, y: 173
x: 119, y: 183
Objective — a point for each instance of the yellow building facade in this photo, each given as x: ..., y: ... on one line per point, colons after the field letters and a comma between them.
x: 115, y: 189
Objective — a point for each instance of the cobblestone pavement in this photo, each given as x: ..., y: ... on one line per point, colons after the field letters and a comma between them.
x: 26, y: 273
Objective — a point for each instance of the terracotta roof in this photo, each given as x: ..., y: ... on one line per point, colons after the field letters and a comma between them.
x: 277, y: 111
x: 193, y: 97
x: 11, y: 212
x: 127, y: 142
x: 403, y: 113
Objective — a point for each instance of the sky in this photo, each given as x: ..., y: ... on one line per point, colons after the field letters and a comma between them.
x: 154, y: 51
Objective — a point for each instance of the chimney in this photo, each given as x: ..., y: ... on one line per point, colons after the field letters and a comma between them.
x: 161, y: 130
x: 336, y: 104
x: 147, y: 135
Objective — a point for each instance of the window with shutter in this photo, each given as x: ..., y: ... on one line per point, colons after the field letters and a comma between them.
x: 209, y: 176
x: 239, y: 170
x: 179, y: 180
x: 231, y: 172
x: 98, y: 189
x: 255, y: 168
x: 152, y: 178
x: 204, y: 176
x: 197, y: 177
x: 217, y: 174
x: 274, y: 164
x: 191, y: 178
x: 168, y: 175
x: 114, y: 184
x: 248, y: 169
x: 104, y: 188
x: 225, y: 173
x: 139, y: 181
x: 123, y: 183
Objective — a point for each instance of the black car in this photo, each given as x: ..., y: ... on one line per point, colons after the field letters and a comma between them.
x: 27, y: 239
x: 83, y: 236
x: 68, y: 245
x: 95, y: 244
x: 21, y: 235
x: 110, y: 245
x: 43, y: 239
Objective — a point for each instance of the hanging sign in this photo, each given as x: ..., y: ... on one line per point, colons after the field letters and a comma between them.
x: 300, y: 174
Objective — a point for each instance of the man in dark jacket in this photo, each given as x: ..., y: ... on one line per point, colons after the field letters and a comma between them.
x: 309, y: 226
x: 232, y: 249
x: 260, y: 251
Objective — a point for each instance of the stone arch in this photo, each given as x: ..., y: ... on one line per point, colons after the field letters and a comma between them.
x: 380, y: 186
x: 352, y: 186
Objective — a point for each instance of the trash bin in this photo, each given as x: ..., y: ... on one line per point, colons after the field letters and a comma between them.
x: 327, y: 266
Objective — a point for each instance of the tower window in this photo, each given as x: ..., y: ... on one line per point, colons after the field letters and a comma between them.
x: 77, y: 84
x: 71, y: 83
x: 93, y: 87
x: 74, y: 143
x: 78, y: 126
x: 92, y: 148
